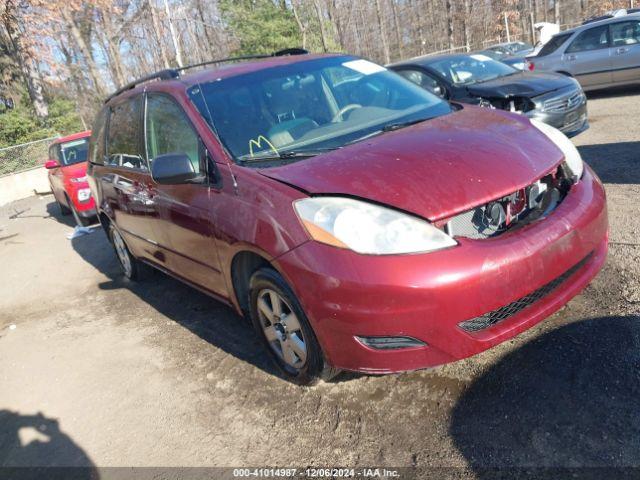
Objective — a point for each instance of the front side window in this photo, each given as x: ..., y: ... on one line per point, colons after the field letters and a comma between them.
x: 592, y: 39
x: 625, y: 33
x: 468, y: 69
x: 168, y: 131
x: 124, y: 141
x: 309, y: 106
x: 74, y: 151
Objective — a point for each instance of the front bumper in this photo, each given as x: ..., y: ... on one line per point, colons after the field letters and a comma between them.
x: 427, y: 296
x: 86, y: 208
x: 571, y: 122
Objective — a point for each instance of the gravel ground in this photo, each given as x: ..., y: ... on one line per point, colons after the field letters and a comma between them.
x: 98, y: 371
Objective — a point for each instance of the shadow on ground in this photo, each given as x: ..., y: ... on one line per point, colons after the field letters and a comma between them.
x: 569, y: 398
x: 613, y: 92
x: 53, y: 209
x: 614, y: 162
x: 211, y: 320
x: 30, y: 445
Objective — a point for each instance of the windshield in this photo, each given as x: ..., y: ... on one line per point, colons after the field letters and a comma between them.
x: 519, y: 47
x: 310, y: 106
x: 468, y: 69
x: 74, y: 151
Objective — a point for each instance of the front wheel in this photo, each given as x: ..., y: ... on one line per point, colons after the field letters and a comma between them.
x: 285, y: 331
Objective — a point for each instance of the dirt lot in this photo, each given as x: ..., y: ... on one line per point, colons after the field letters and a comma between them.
x: 157, y: 374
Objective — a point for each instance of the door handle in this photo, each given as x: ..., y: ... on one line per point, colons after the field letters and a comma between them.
x: 571, y: 58
x: 622, y: 50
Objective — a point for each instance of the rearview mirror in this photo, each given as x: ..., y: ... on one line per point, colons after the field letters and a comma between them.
x: 49, y: 164
x: 173, y: 168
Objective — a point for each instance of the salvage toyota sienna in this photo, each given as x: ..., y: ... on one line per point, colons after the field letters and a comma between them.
x: 360, y: 222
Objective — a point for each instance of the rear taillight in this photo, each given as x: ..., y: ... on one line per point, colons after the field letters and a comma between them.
x: 531, y: 66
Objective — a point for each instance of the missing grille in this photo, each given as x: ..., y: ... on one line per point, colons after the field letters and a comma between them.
x: 491, y: 318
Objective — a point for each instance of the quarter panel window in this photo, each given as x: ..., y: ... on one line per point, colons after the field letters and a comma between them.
x: 592, y: 39
x: 625, y: 33
x: 168, y: 130
x: 554, y: 44
x: 124, y: 142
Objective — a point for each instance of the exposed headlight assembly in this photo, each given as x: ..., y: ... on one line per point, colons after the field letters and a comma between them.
x: 367, y: 228
x: 571, y: 155
x: 82, y: 179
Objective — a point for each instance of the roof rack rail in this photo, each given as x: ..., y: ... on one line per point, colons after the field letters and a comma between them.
x: 172, y: 73
x: 161, y: 75
x: 279, y: 53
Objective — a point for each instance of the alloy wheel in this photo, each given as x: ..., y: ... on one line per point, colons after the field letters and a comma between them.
x: 123, y: 253
x: 282, y: 329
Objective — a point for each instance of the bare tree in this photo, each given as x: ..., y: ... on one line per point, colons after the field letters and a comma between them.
x: 84, y: 48
x: 383, y: 33
x: 323, y: 31
x: 449, y: 9
x: 25, y: 59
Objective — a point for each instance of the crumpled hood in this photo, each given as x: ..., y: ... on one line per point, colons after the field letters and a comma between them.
x: 525, y: 84
x: 433, y: 169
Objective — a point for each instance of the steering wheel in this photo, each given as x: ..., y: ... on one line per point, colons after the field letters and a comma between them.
x: 347, y: 108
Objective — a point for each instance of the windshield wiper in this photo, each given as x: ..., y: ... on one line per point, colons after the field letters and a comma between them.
x: 396, y: 126
x: 388, y: 128
x: 286, y: 155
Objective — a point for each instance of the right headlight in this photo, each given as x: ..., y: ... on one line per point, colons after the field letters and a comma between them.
x: 571, y: 155
x: 367, y: 228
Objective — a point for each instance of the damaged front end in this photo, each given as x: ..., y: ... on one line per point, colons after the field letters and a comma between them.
x: 514, y: 104
x: 515, y: 210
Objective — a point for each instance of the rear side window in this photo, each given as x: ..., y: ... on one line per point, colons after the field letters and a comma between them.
x: 124, y: 145
x: 53, y: 152
x: 96, y: 144
x: 554, y: 44
x: 592, y: 39
x: 168, y: 130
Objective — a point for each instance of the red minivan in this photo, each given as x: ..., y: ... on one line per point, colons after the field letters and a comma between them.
x: 359, y: 221
x: 67, y: 167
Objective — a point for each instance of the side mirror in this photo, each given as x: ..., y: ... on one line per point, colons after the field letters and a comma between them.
x: 49, y: 164
x: 173, y: 168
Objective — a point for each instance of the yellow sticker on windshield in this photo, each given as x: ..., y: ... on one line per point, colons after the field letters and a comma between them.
x: 258, y: 144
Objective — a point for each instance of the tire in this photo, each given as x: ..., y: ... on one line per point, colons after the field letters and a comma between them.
x: 285, y: 330
x: 131, y: 267
x: 64, y: 211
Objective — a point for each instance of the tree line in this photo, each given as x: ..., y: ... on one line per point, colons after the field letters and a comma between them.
x: 70, y: 54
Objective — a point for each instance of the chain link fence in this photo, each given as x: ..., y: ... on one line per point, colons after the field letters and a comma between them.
x: 25, y: 156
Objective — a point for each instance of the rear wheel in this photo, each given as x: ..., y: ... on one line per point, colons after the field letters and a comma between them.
x: 130, y: 266
x: 285, y: 331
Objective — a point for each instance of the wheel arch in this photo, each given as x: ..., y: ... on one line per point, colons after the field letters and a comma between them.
x: 104, y: 220
x: 243, y: 265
